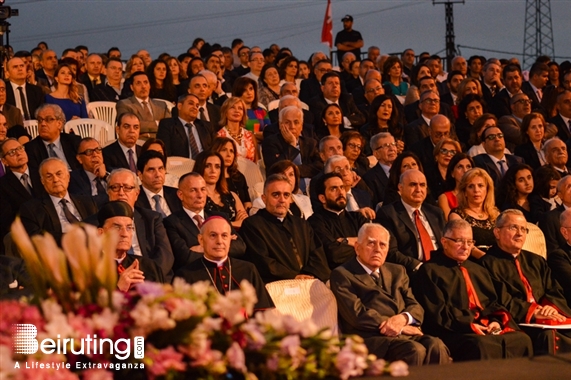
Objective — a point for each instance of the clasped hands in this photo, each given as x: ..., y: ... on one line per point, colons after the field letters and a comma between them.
x: 398, y: 325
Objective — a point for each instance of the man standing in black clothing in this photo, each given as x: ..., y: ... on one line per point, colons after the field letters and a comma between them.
x: 348, y: 40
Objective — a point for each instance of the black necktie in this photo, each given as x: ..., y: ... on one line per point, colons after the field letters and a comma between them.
x: 132, y: 165
x: 202, y: 114
x: 24, y: 103
x: 99, y: 186
x: 68, y: 215
x: 158, y: 207
x: 51, y: 151
x: 24, y: 180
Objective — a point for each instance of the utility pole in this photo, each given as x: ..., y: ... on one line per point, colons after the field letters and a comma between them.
x: 450, y: 44
x: 538, y: 37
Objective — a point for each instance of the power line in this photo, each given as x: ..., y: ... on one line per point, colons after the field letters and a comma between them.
x: 504, y: 52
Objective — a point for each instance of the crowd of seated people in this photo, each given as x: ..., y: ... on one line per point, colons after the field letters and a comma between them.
x: 412, y: 191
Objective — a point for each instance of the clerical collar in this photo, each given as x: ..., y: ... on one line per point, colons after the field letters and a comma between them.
x: 219, y: 263
x: 333, y: 211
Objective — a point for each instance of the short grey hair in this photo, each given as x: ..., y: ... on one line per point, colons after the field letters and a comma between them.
x: 369, y: 226
x: 501, y: 220
x: 58, y: 112
x: 3, y: 143
x: 375, y: 139
x: 285, y: 98
x: 289, y: 109
x: 564, y: 217
x: 549, y: 142
x: 456, y: 224
x: 48, y: 160
x: 326, y: 139
x: 278, y: 177
x: 123, y: 170
x: 562, y: 183
x: 332, y: 160
x: 283, y: 87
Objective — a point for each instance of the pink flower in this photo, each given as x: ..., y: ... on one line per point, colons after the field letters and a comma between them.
x: 97, y: 374
x: 376, y: 367
x: 272, y: 363
x: 398, y: 368
x: 349, y: 364
x: 236, y: 357
x: 291, y: 346
x: 160, y: 362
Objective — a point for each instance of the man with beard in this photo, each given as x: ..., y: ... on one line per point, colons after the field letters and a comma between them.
x: 336, y: 227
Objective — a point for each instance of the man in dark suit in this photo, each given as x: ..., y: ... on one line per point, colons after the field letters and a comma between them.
x: 331, y: 93
x: 491, y: 83
x: 20, y: 183
x: 150, y: 238
x: 495, y: 161
x: 556, y: 155
x: 359, y: 83
x: 12, y: 114
x: 183, y: 227
x: 17, y: 89
x: 93, y: 77
x: 384, y: 149
x: 51, y: 142
x: 56, y: 211
x: 563, y: 118
x: 109, y: 90
x: 371, y: 90
x: 123, y: 153
x: 45, y: 75
x: 149, y: 111
x: 510, y: 124
x: 131, y: 270
x: 454, y: 79
x: 550, y: 223
x: 155, y: 195
x: 217, y: 94
x: 414, y: 111
x: 289, y: 90
x: 286, y: 101
x: 311, y: 87
x: 538, y: 78
x: 512, y: 79
x: 208, y: 113
x: 176, y: 132
x: 429, y: 105
x: 281, y: 245
x: 415, y: 226
x: 375, y: 301
x: 290, y: 145
x: 559, y: 260
x: 438, y: 129
x: 91, y: 178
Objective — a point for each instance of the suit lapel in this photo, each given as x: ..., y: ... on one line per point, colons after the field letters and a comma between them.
x: 403, y: 216
x: 141, y: 233
x: 52, y: 213
x: 81, y: 208
x: 359, y: 272
x: 387, y: 278
x: 433, y: 221
x: 492, y: 166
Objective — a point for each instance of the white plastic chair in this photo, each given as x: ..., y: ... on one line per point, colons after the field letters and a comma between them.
x: 177, y: 167
x: 252, y: 173
x: 98, y: 129
x: 170, y: 105
x: 305, y: 299
x: 105, y: 111
x: 535, y: 241
x: 276, y: 103
x: 32, y: 128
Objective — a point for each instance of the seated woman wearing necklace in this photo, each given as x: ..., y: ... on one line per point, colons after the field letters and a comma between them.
x: 233, y: 119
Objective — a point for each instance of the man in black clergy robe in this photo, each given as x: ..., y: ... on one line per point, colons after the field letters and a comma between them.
x: 118, y: 216
x: 282, y: 246
x: 559, y: 260
x: 335, y: 227
x: 375, y: 302
x: 217, y: 268
x: 183, y: 226
x: 461, y: 305
x: 523, y: 282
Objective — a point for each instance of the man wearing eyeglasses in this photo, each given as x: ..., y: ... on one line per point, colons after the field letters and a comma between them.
x: 150, y: 237
x: 51, y: 141
x: 20, y: 183
x: 510, y: 125
x: 460, y: 303
x: 531, y: 296
x: 118, y: 217
x: 384, y: 149
x: 91, y: 179
x: 58, y: 210
x: 244, y: 56
x: 495, y: 161
x: 256, y: 64
x: 429, y: 105
x: 311, y: 87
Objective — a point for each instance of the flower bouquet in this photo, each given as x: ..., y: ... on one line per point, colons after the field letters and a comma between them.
x: 78, y: 325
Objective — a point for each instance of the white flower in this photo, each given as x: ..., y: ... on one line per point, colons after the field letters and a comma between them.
x: 250, y: 298
x: 230, y: 307
x: 149, y: 319
x: 398, y: 368
x: 106, y: 321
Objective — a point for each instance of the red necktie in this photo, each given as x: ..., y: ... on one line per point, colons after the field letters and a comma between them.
x: 425, y: 240
x: 120, y: 269
x: 526, y: 284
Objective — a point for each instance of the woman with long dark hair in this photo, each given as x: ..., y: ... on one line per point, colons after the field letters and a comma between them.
x: 210, y: 165
x: 532, y: 135
x: 289, y: 71
x: 332, y: 116
x: 160, y: 79
x: 66, y: 94
x: 469, y: 110
x: 458, y: 166
x: 515, y: 188
x: 269, y: 84
x: 383, y: 117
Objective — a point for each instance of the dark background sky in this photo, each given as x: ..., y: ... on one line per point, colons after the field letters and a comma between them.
x: 171, y: 25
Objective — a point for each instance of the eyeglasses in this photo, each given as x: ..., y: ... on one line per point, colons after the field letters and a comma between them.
x: 431, y: 101
x: 370, y: 90
x: 118, y: 227
x: 324, y: 70
x: 244, y: 54
x: 340, y: 170
x: 354, y: 146
x: 89, y: 152
x: 12, y: 152
x: 257, y: 60
x: 2, y: 89
x: 524, y: 101
x: 493, y: 136
x: 447, y: 152
x: 48, y: 120
x: 461, y: 241
x: 515, y: 228
x: 117, y: 188
x: 441, y: 134
x: 386, y: 146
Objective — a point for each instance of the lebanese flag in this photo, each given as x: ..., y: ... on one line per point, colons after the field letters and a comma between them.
x: 327, y: 31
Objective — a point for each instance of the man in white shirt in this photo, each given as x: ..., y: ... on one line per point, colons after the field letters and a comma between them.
x: 256, y: 64
x: 124, y: 151
x: 25, y: 96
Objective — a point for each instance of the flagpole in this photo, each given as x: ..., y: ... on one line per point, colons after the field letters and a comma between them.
x: 327, y: 30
